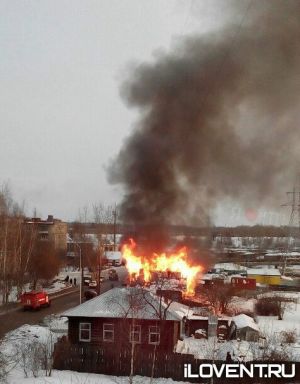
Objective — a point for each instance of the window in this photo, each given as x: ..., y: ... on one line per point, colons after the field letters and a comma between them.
x: 135, y: 333
x: 108, y: 332
x: 85, y: 332
x: 154, y: 335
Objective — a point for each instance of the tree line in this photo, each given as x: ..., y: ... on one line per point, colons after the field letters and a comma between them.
x: 24, y: 258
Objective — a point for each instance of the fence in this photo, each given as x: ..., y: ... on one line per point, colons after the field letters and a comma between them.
x: 110, y: 361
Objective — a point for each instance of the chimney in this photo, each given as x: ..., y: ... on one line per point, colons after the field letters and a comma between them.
x: 50, y: 218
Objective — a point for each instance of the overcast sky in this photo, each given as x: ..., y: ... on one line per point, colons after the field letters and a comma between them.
x: 62, y: 63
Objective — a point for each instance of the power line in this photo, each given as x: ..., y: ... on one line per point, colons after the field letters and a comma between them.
x: 294, y: 203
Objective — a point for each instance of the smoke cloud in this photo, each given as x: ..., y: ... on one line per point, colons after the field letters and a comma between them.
x: 219, y: 117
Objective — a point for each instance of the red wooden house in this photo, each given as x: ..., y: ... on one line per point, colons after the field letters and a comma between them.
x: 122, y: 316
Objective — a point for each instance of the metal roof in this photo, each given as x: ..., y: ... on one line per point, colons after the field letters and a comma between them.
x: 123, y: 303
x: 263, y: 271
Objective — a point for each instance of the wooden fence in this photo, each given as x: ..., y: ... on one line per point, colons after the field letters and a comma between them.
x: 109, y: 361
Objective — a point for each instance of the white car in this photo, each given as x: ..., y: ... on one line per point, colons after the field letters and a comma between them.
x: 93, y: 284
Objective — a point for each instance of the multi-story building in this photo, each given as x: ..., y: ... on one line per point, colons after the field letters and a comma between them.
x: 50, y: 229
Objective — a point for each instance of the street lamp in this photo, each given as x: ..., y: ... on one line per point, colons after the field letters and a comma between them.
x: 99, y: 267
x: 80, y: 267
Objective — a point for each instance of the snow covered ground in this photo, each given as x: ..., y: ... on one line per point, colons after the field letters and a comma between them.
x: 241, y: 305
x: 70, y: 377
x: 17, y: 347
x: 58, y: 285
x: 53, y: 327
x: 213, y: 350
x: 271, y: 329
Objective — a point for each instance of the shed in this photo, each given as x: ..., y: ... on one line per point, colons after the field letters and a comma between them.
x: 243, y: 327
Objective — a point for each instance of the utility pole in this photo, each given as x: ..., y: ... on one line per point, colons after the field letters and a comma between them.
x: 115, y: 225
x: 294, y: 203
x: 81, y: 272
x: 80, y: 268
x: 99, y: 268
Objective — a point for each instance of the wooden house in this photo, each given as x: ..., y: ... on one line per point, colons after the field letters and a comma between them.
x: 122, y: 316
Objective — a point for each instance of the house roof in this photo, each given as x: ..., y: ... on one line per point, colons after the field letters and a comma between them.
x: 123, y: 303
x: 182, y: 310
x: 230, y: 267
x: 242, y: 321
x: 264, y: 272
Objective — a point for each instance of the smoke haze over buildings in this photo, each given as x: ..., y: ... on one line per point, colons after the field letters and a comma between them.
x: 219, y: 116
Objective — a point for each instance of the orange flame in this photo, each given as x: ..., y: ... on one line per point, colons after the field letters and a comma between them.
x: 174, y: 262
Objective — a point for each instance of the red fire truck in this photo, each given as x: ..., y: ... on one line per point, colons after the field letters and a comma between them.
x: 35, y: 300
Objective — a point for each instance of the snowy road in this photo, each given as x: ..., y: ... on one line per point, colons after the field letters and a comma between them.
x: 15, y: 319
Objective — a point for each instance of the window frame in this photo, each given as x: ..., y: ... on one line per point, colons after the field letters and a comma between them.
x: 112, y: 331
x: 89, y: 332
x: 157, y: 332
x: 132, y: 331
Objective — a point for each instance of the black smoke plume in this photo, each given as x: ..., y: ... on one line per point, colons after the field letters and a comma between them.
x: 219, y: 117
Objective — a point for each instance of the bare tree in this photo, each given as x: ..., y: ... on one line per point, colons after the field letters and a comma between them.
x: 3, y: 368
x: 131, y: 305
x: 218, y: 297
x: 23, y: 257
x: 103, y: 218
x: 11, y: 217
x: 135, y: 304
x: 159, y: 305
x: 275, y: 305
x: 273, y: 349
x: 44, y: 262
x: 33, y: 356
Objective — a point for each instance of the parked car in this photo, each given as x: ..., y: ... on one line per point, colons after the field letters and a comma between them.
x: 35, y: 300
x: 112, y: 275
x: 90, y: 294
x: 93, y: 284
x: 87, y: 280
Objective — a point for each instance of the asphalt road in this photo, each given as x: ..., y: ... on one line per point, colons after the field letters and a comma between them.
x: 16, y: 318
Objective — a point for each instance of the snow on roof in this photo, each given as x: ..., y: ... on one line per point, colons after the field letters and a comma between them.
x: 201, y: 331
x: 274, y: 253
x: 242, y: 321
x: 264, y: 271
x: 229, y: 266
x: 113, y: 255
x: 179, y: 310
x: 192, y: 313
x: 122, y: 303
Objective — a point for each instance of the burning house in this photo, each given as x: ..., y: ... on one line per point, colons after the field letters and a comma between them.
x: 161, y: 267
